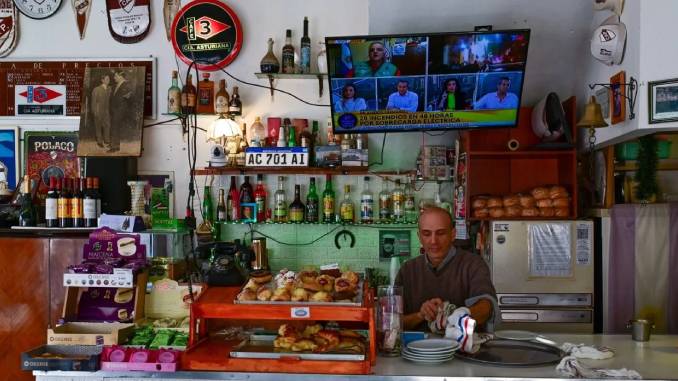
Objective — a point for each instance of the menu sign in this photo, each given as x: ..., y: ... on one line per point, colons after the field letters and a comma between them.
x: 54, y: 87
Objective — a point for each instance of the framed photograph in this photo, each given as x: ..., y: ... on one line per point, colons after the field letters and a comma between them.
x: 9, y: 155
x: 617, y: 97
x: 48, y: 154
x: 603, y: 98
x: 159, y: 179
x: 394, y: 243
x: 112, y: 111
x: 663, y: 100
x: 248, y: 212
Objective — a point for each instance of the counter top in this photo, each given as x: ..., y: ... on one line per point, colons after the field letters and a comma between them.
x: 654, y: 360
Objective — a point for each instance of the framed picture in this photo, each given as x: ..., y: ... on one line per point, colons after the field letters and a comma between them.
x: 9, y: 155
x: 394, y: 243
x: 603, y: 98
x: 160, y: 179
x: 48, y: 154
x: 663, y: 100
x: 248, y: 211
x: 617, y: 97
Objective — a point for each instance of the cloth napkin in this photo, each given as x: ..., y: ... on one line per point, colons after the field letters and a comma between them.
x: 570, y: 366
x: 583, y: 351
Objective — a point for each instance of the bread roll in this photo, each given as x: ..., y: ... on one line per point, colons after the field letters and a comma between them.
x: 247, y: 295
x: 511, y: 200
x: 527, y: 201
x: 544, y: 203
x: 481, y: 213
x: 299, y: 295
x: 561, y: 202
x: 326, y: 283
x: 343, y: 284
x: 281, y: 295
x: 530, y: 212
x: 306, y: 276
x: 495, y: 202
x: 320, y: 297
x: 513, y: 211
x: 479, y: 202
x: 546, y: 212
x: 562, y: 212
x: 557, y: 191
x: 540, y: 193
x: 264, y: 294
x: 351, y: 276
x: 497, y: 212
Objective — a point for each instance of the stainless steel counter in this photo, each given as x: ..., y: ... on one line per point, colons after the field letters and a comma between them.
x: 654, y: 360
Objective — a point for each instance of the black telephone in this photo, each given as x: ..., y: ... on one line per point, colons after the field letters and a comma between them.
x: 224, y: 263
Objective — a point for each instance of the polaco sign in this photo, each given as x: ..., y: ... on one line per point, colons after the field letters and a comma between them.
x: 207, y: 32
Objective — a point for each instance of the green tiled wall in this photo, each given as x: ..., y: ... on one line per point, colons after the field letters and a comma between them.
x: 364, y: 254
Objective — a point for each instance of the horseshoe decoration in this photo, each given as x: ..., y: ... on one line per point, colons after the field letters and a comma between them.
x: 344, y: 233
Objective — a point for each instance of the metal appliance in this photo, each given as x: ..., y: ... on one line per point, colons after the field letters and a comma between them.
x: 543, y: 272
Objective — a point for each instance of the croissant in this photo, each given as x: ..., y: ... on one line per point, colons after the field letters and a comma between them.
x: 281, y: 295
x: 304, y: 345
x: 264, y: 294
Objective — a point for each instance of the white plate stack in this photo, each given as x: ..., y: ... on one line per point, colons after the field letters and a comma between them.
x: 430, y: 351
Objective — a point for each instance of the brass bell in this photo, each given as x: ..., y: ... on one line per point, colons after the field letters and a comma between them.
x: 593, y: 115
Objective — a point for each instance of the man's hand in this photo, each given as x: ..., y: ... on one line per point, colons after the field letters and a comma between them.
x: 429, y: 309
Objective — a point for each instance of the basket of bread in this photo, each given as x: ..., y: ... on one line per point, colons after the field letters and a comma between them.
x: 306, y: 287
x: 540, y: 202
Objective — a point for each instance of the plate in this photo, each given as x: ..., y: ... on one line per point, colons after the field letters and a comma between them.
x: 427, y: 357
x: 418, y: 353
x: 502, y: 352
x: 428, y: 361
x: 523, y: 336
x: 433, y: 345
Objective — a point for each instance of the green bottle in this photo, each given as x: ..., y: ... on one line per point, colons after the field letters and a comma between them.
x: 292, y: 137
x: 312, y: 200
x: 207, y: 205
x: 328, y: 200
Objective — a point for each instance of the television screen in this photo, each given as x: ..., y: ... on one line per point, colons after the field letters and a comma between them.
x: 417, y: 82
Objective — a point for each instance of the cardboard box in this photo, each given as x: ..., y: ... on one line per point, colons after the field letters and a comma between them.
x: 121, y: 278
x: 35, y: 359
x: 90, y: 334
x: 169, y: 299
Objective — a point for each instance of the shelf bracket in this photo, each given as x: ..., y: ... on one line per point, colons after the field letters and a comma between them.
x: 320, y: 85
x: 631, y: 90
x: 270, y: 84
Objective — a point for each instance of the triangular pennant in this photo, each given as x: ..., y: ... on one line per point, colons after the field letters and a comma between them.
x: 82, y: 8
x: 8, y: 27
x: 170, y: 10
x: 129, y: 20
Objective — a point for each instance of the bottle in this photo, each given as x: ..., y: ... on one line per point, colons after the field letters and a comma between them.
x: 280, y: 202
x: 384, y: 202
x: 174, y: 95
x: 288, y: 54
x: 96, y: 195
x: 232, y: 202
x: 346, y: 209
x: 243, y: 139
x: 398, y: 202
x: 366, y: 203
x: 297, y: 208
x: 269, y: 63
x: 312, y: 209
x: 260, y: 196
x: 188, y: 94
x: 76, y: 203
x: 27, y: 215
x: 411, y: 214
x: 315, y: 142
x: 292, y: 139
x: 207, y: 205
x: 281, y: 136
x: 440, y: 202
x: 346, y: 142
x: 222, y: 99
x: 51, y: 215
x: 258, y: 131
x: 221, y: 206
x: 205, y: 95
x: 305, y: 64
x: 235, y: 106
x: 64, y: 205
x: 328, y: 200
x: 89, y: 205
x: 246, y: 197
x: 331, y: 137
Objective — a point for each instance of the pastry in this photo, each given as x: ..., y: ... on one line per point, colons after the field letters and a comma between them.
x: 326, y: 283
x: 281, y: 295
x: 351, y: 344
x: 561, y: 202
x: 343, y: 284
x: 546, y: 212
x: 347, y: 295
x: 304, y: 345
x: 557, y: 191
x: 481, y: 213
x: 351, y: 276
x: 311, y: 284
x: 562, y: 212
x: 320, y: 296
x: 333, y: 272
x: 311, y: 330
x: 307, y: 276
x: 299, y: 295
x: 544, y: 203
x: 261, y: 276
x: 513, y: 211
x: 284, y: 342
x: 350, y: 333
x: 332, y: 337
x: 540, y: 193
x: 252, y: 285
x: 526, y: 200
x: 497, y: 212
x: 247, y: 295
x: 511, y: 200
x: 264, y: 294
x: 530, y: 212
x: 285, y: 279
x: 479, y: 202
x: 288, y: 330
x: 495, y: 202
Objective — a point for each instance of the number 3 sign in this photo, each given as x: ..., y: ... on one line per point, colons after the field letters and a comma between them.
x: 207, y: 32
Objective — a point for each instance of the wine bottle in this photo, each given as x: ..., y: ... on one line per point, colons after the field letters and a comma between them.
x: 188, y: 94
x: 89, y: 205
x: 76, y: 203
x: 270, y: 63
x: 232, y: 202
x: 235, y: 106
x: 207, y: 205
x: 51, y: 215
x: 246, y: 197
x: 174, y: 95
x: 305, y: 64
x: 222, y: 99
x: 297, y: 208
x: 328, y: 200
x: 64, y: 204
x: 27, y: 215
x: 221, y: 206
x: 205, y: 95
x: 288, y: 54
x: 312, y: 200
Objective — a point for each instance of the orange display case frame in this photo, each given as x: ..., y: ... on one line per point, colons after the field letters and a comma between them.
x: 212, y: 354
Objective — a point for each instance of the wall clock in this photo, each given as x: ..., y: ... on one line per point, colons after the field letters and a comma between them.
x: 38, y: 9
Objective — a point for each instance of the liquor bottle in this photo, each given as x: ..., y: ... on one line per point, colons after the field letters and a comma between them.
x: 27, y: 215
x: 346, y: 208
x: 232, y: 202
x: 366, y: 203
x: 246, y: 197
x: 174, y: 95
x: 260, y: 196
x: 206, y: 95
x: 269, y: 63
x: 305, y: 64
x: 297, y: 207
x: 96, y: 195
x: 64, y: 205
x: 221, y: 206
x: 281, y: 136
x: 328, y: 200
x: 288, y: 54
x: 312, y: 209
x: 89, y: 205
x: 76, y: 203
x: 280, y: 202
x: 292, y: 138
x: 331, y: 137
x: 51, y: 219
x: 398, y: 202
x: 411, y: 214
x: 243, y: 139
x: 222, y: 99
x: 440, y: 202
x: 384, y: 202
x: 305, y: 135
x: 258, y: 131
x: 315, y: 142
x: 207, y: 205
x: 188, y: 94
x: 235, y: 106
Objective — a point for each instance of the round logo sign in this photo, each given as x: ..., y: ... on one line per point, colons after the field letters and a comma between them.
x: 208, y: 33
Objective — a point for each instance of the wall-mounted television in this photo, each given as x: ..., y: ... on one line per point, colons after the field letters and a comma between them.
x: 417, y: 82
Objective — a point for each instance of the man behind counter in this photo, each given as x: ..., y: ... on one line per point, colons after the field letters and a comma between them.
x: 444, y: 273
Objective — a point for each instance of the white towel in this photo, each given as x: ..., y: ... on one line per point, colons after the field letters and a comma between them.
x: 583, y: 351
x: 570, y: 366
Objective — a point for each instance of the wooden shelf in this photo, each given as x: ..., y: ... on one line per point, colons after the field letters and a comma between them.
x: 281, y: 171
x: 663, y: 165
x: 273, y: 76
x: 536, y: 154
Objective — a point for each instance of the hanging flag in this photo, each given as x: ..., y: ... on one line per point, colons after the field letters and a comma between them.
x: 129, y: 20
x: 8, y: 27
x: 82, y: 8
x: 170, y: 9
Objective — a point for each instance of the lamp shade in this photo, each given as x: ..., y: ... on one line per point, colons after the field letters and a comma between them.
x: 593, y: 115
x: 223, y: 127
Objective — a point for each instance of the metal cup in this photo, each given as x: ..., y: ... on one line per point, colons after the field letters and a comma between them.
x: 640, y: 329
x: 260, y: 261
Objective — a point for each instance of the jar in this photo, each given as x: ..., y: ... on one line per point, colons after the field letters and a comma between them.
x: 389, y: 319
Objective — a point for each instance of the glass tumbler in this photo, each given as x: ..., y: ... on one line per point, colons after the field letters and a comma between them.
x: 389, y: 319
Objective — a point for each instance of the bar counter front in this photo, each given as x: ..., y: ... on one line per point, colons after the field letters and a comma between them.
x: 656, y: 359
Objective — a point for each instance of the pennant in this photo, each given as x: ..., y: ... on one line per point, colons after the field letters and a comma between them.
x: 82, y: 8
x: 170, y: 10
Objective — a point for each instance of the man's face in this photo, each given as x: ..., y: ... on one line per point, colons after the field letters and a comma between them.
x: 376, y: 52
x: 106, y: 80
x: 117, y: 77
x: 503, y: 86
x: 402, y: 88
x: 436, y: 234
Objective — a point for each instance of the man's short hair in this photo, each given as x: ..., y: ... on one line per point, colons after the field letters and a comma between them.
x: 403, y: 81
x: 504, y: 79
x: 436, y: 209
x: 121, y: 73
